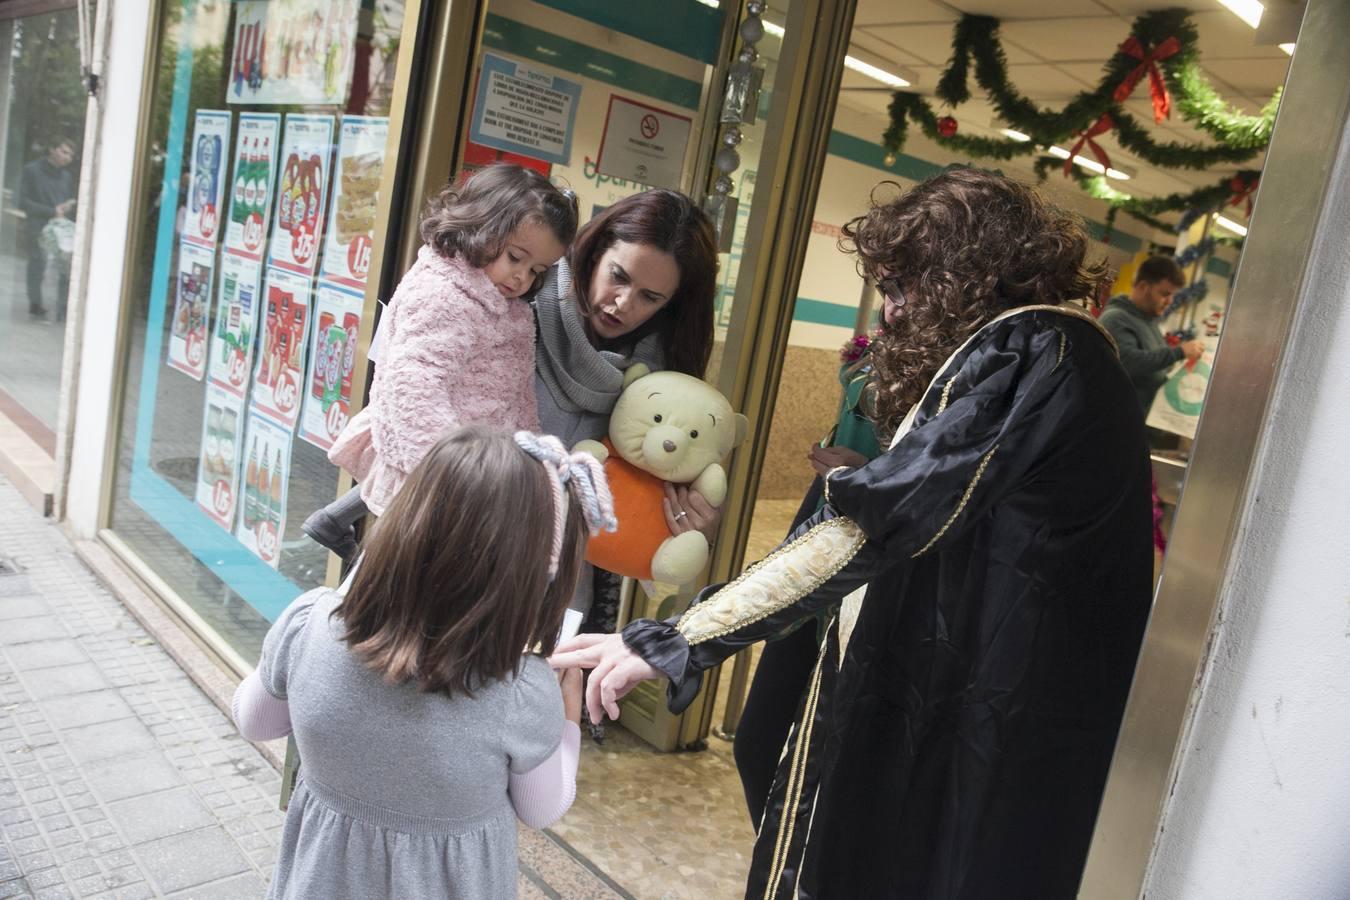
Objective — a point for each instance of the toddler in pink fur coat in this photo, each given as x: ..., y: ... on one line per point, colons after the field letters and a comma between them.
x: 458, y: 338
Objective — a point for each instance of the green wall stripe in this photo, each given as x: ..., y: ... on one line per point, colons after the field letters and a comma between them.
x: 823, y: 312
x: 525, y: 42
x: 866, y: 153
x: 1221, y: 267
x: 684, y: 27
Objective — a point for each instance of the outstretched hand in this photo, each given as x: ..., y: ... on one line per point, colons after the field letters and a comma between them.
x: 617, y: 670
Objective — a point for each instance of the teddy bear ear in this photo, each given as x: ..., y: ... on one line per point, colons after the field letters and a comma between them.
x: 634, y: 372
x: 742, y: 429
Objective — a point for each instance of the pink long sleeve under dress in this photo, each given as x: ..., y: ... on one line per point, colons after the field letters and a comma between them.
x: 456, y: 353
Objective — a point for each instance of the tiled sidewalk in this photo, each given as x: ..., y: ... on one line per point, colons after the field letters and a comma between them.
x: 118, y: 777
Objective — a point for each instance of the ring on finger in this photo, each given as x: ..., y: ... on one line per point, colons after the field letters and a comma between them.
x: 681, y: 514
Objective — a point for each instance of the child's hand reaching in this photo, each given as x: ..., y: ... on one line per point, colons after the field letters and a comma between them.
x: 570, y: 681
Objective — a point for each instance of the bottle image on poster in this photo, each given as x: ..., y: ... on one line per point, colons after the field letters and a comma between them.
x: 267, y: 468
x: 192, y: 301
x: 302, y: 192
x: 250, y: 188
x: 349, y: 241
x: 236, y: 323
x: 284, y: 329
x: 328, y: 381
x: 218, y: 468
x: 293, y: 51
x: 206, y: 178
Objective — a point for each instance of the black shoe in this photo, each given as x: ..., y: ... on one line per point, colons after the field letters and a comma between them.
x: 37, y: 312
x: 330, y: 533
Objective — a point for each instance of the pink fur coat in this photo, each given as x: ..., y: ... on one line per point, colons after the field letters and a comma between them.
x: 455, y: 352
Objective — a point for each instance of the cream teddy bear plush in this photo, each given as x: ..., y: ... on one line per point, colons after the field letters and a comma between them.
x: 666, y: 426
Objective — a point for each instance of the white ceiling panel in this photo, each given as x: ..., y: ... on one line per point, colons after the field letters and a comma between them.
x: 1010, y: 10
x: 1249, y: 76
x: 932, y: 43
x: 891, y: 12
x: 1045, y: 83
x: 1225, y: 36
x: 1069, y: 40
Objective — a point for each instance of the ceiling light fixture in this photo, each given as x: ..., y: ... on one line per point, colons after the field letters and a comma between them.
x: 1090, y: 164
x: 1248, y: 11
x: 1287, y: 48
x: 1016, y: 135
x: 873, y: 72
x: 1229, y: 225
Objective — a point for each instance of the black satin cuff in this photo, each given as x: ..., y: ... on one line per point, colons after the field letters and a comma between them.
x: 665, y: 649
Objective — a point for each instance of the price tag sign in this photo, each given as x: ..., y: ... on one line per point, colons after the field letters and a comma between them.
x: 209, y: 151
x: 250, y: 188
x: 218, y: 466
x: 327, y: 386
x: 261, y: 516
x: 359, y: 167
x: 298, y: 215
x: 284, y: 329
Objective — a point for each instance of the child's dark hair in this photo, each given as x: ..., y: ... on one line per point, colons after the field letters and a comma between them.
x: 454, y: 586
x: 474, y: 218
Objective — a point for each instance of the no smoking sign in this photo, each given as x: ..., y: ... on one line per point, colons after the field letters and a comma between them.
x: 643, y: 143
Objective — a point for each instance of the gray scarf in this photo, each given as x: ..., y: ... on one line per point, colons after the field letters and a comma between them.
x: 580, y: 377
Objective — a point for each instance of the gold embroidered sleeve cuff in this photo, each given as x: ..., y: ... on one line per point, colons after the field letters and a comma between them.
x: 789, y: 574
x: 830, y: 474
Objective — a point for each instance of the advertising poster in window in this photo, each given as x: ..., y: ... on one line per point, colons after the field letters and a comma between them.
x: 236, y: 323
x: 262, y: 519
x: 191, y: 303
x: 281, y: 351
x: 298, y: 217
x: 328, y: 382
x: 525, y: 110
x: 292, y: 51
x: 350, y: 237
x: 206, y: 187
x: 218, y: 469
x: 255, y: 169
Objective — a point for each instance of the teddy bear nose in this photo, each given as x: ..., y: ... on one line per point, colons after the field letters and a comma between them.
x: 668, y: 446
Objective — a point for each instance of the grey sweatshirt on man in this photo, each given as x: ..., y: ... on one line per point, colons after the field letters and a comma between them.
x: 1144, y: 351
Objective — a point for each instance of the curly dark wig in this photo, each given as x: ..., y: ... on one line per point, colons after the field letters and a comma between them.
x: 963, y: 247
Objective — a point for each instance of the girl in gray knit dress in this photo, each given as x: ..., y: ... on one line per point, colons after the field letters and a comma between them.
x: 424, y: 731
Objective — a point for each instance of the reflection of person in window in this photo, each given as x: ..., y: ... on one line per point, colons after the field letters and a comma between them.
x: 46, y: 192
x: 1132, y: 321
x: 993, y: 566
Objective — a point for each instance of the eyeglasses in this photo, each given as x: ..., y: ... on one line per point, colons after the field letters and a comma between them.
x: 890, y: 289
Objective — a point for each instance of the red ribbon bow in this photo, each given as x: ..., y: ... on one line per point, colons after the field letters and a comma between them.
x: 1242, y: 190
x: 1148, y: 62
x: 1103, y: 125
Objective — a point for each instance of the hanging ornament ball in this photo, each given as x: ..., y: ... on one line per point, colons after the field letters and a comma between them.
x: 888, y: 159
x: 727, y: 160
x: 748, y: 54
x: 755, y: 7
x: 733, y: 137
x: 722, y: 185
x: 946, y: 126
x: 752, y: 29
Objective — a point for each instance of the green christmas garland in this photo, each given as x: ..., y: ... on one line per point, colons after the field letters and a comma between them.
x: 1147, y: 209
x: 1240, y: 137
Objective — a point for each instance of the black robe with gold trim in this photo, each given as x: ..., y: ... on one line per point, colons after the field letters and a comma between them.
x: 956, y: 735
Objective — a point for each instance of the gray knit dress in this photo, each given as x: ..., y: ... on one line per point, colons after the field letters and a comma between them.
x: 401, y: 794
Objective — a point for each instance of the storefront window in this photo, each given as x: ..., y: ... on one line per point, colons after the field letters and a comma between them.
x: 42, y: 105
x: 255, y: 231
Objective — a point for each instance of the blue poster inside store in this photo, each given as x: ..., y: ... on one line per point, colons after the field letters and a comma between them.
x: 523, y: 109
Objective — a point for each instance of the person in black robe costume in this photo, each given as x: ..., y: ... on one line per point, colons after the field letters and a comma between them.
x: 994, y: 569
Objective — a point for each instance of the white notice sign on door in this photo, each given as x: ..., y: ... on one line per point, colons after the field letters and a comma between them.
x: 643, y: 143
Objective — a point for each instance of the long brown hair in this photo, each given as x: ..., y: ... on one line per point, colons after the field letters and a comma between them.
x: 963, y: 247
x: 453, y: 585
x: 672, y: 223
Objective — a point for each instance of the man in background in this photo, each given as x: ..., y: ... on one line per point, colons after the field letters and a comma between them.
x: 1132, y: 321
x: 46, y: 192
